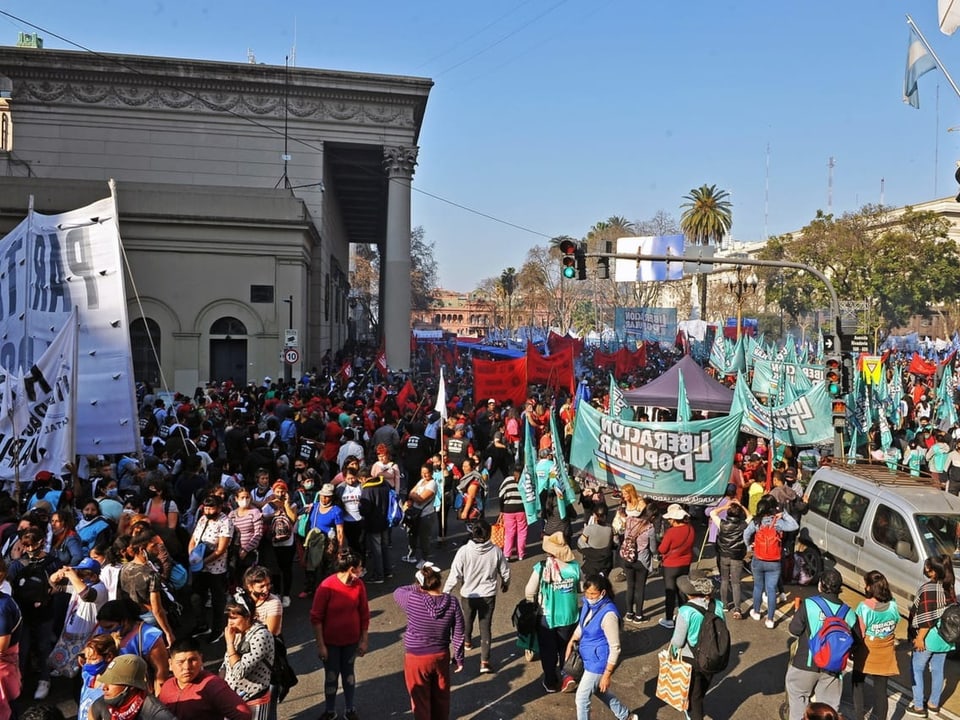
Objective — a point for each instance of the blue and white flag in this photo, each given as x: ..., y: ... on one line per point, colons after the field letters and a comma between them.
x: 919, y: 61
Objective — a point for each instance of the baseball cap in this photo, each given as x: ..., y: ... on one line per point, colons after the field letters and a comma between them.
x: 126, y: 670
x: 90, y: 564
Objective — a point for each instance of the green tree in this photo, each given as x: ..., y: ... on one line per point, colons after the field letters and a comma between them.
x: 706, y: 219
x: 507, y: 284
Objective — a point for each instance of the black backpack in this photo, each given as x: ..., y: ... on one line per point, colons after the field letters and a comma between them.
x: 949, y: 624
x: 32, y: 588
x: 711, y: 654
x: 281, y: 674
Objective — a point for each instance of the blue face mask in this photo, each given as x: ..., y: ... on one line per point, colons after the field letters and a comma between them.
x: 95, y: 668
x: 594, y: 603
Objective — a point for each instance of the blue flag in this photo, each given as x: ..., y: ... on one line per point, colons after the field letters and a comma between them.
x: 919, y: 61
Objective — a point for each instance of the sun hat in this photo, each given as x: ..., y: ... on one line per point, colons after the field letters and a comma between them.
x: 556, y: 545
x: 128, y: 670
x: 326, y: 490
x: 695, y: 586
x: 675, y: 512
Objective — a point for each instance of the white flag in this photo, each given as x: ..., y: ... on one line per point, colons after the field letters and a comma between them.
x: 441, y: 406
x: 949, y: 12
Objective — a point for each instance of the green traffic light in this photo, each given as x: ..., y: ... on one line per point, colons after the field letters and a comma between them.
x: 569, y: 272
x: 834, y: 389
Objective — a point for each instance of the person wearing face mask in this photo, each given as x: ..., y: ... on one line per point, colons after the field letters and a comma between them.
x: 304, y: 497
x: 96, y: 655
x: 121, y: 619
x: 125, y: 696
x: 214, y: 531
x: 30, y: 578
x: 374, y: 504
x: 248, y: 659
x: 249, y: 521
x: 84, y: 595
x: 194, y: 693
x: 11, y: 629
x: 92, y: 526
x: 340, y: 616
x: 140, y: 582
x: 279, y: 518
x: 598, y: 632
x: 262, y: 493
x: 269, y: 609
x: 108, y: 498
x: 324, y: 539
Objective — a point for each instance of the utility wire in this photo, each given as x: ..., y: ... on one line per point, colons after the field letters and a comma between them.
x: 362, y: 168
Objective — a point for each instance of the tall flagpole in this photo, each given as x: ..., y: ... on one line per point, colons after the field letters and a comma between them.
x: 936, y: 59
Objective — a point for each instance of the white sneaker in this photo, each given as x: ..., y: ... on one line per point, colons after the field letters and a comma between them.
x: 286, y: 601
x: 409, y: 558
x: 668, y: 624
x: 782, y: 597
x: 769, y: 623
x: 43, y: 689
x: 754, y: 615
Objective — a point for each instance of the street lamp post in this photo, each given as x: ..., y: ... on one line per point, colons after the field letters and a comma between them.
x: 740, y: 287
x: 287, y: 367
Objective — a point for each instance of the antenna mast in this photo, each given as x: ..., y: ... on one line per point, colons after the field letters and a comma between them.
x: 830, y: 165
x: 766, y: 195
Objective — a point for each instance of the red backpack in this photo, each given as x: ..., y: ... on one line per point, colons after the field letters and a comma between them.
x: 767, y: 542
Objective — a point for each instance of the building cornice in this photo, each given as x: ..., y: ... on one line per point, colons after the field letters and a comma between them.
x: 58, y: 77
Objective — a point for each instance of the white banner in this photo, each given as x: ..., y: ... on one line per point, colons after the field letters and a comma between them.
x: 49, y: 265
x: 37, y: 411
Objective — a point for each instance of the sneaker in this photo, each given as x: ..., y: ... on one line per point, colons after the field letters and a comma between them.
x: 547, y: 687
x: 639, y: 619
x: 409, y: 558
x: 754, y: 615
x: 568, y: 685
x: 668, y: 624
x: 485, y: 668
x: 200, y: 631
x: 782, y: 597
x: 630, y: 617
x: 389, y: 575
x: 329, y: 715
x: 915, y: 712
x: 512, y: 558
x: 769, y: 624
x: 286, y: 601
x: 737, y: 615
x: 933, y: 710
x: 351, y: 714
x: 43, y: 689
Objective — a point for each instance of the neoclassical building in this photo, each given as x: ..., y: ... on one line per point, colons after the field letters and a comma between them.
x: 239, y: 187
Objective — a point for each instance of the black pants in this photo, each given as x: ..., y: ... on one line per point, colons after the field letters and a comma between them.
x: 553, y: 647
x: 636, y: 586
x: 671, y: 595
x: 479, y: 608
x: 354, y: 535
x: 284, y: 557
x: 699, y: 684
x: 880, y: 699
x: 215, y: 586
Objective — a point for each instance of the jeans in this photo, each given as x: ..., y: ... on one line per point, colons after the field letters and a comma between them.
x: 379, y: 551
x: 515, y: 531
x: 479, y: 608
x: 919, y: 663
x: 585, y: 689
x: 731, y: 571
x: 339, y: 667
x: 766, y: 573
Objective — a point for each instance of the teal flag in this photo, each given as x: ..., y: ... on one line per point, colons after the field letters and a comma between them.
x: 721, y: 355
x: 805, y: 421
x: 946, y: 410
x: 670, y: 462
x: 564, y: 486
x: 769, y: 372
x: 528, y: 479
x: 683, y: 405
x: 616, y: 405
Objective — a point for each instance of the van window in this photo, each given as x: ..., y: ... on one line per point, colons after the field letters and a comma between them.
x: 821, y: 497
x: 848, y: 510
x: 940, y: 533
x: 890, y: 530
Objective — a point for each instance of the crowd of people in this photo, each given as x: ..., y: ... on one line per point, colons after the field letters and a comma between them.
x: 122, y: 572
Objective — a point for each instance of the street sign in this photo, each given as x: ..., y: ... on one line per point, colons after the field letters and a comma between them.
x: 291, y: 356
x: 860, y: 344
x: 872, y: 366
x: 291, y: 337
x: 828, y: 344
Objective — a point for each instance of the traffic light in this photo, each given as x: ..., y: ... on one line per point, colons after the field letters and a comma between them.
x: 848, y: 366
x: 569, y: 259
x: 603, y: 263
x: 833, y: 376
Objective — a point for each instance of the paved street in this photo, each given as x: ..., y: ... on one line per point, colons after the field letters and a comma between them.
x: 752, y: 687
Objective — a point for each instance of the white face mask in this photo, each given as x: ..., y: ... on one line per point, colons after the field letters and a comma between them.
x: 243, y: 502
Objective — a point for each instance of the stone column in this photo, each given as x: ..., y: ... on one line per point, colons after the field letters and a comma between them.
x: 399, y: 163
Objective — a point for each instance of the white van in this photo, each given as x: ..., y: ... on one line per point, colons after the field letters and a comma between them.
x: 866, y: 517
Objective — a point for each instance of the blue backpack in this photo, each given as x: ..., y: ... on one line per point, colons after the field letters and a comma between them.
x: 394, y: 509
x: 831, y: 645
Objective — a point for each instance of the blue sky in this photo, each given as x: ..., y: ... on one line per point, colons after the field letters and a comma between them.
x: 555, y: 114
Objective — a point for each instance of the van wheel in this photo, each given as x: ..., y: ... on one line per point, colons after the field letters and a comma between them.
x: 814, y: 561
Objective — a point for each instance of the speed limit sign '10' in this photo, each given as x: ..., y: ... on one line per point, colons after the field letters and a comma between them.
x: 291, y: 356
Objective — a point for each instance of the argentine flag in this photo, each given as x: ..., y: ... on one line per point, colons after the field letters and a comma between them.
x: 919, y: 61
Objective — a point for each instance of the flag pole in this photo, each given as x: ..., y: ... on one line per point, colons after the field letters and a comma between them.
x: 933, y: 54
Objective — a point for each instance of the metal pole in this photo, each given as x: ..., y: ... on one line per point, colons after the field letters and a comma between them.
x: 288, y: 367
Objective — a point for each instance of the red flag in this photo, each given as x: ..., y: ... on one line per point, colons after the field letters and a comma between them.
x: 406, y: 394
x: 555, y: 371
x: 919, y: 366
x: 382, y: 361
x: 346, y: 371
x: 501, y: 380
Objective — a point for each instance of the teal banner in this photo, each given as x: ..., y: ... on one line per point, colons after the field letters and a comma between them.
x: 805, y: 420
x: 672, y: 462
x: 767, y: 373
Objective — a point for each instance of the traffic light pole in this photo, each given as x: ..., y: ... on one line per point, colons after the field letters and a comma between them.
x: 834, y: 302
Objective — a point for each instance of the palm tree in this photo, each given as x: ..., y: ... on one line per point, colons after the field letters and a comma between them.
x: 508, y: 283
x: 706, y: 220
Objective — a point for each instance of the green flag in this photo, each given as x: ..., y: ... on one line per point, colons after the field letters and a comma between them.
x: 683, y: 405
x: 528, y: 478
x: 564, y: 486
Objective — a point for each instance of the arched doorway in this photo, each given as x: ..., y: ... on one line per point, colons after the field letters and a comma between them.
x: 146, y: 354
x: 228, y: 351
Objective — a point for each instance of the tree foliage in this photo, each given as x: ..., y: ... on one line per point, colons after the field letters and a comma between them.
x: 903, y: 265
x: 707, y: 215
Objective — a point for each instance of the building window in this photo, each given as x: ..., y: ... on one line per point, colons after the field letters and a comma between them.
x: 145, y: 348
x: 261, y: 294
x: 228, y: 326
x: 326, y: 297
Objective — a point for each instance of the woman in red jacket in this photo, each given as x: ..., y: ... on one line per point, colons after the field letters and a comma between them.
x: 676, y: 551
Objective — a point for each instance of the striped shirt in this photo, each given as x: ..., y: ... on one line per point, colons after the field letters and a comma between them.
x: 250, y: 525
x: 433, y: 622
x: 511, y: 501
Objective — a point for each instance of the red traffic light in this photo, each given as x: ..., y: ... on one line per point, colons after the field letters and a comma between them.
x: 568, y: 247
